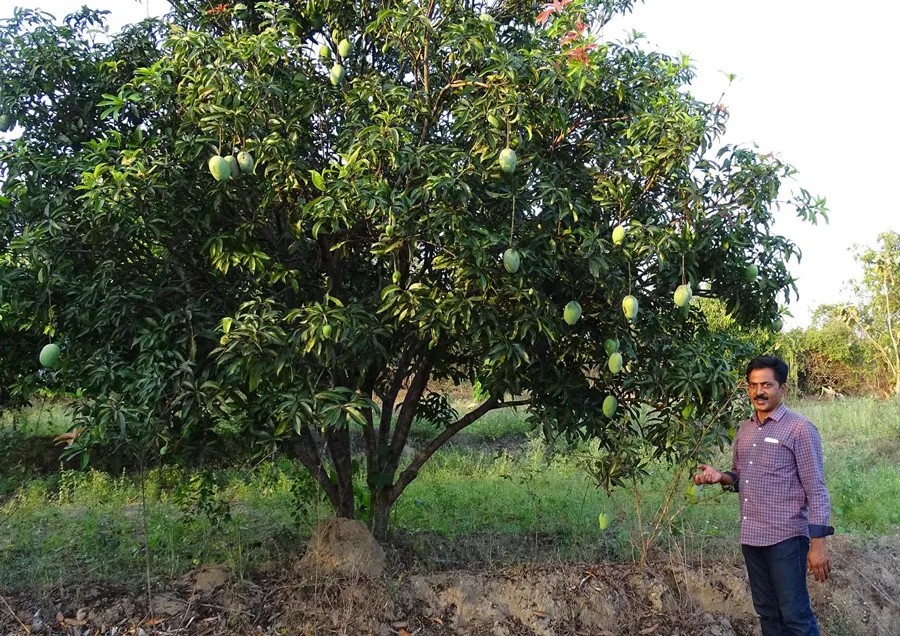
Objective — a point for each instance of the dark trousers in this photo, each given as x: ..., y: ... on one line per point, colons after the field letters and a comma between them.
x: 778, y: 583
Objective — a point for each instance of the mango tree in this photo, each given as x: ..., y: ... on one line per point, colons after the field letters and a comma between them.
x: 283, y: 222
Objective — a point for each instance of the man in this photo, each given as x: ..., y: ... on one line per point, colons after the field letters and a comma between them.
x: 778, y: 474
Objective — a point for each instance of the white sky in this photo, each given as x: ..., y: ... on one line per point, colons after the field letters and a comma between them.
x: 815, y: 85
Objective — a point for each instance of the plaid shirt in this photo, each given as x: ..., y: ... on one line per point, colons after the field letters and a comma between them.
x: 779, y: 475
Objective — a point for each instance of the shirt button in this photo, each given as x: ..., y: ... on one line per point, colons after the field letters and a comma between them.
x: 751, y: 462
x: 746, y: 481
x: 746, y: 500
x: 745, y: 518
x: 754, y: 444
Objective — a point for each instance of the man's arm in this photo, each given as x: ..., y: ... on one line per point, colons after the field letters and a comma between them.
x: 811, y: 470
x: 730, y: 480
x: 712, y: 476
x: 734, y: 474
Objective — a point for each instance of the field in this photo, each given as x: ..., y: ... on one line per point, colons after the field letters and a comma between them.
x: 499, y: 497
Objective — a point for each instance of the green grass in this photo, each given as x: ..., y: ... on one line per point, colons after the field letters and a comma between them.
x: 493, y: 427
x: 477, y: 501
x: 44, y: 418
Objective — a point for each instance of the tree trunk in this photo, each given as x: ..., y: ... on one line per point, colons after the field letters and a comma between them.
x: 381, y: 515
x: 338, y: 443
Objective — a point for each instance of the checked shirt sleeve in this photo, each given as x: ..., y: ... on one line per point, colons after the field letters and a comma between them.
x: 811, y: 469
x: 734, y: 473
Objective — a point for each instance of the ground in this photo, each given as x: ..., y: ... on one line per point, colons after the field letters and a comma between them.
x: 497, y: 536
x: 665, y: 598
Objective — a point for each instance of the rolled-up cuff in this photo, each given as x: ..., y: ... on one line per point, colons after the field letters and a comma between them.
x: 817, y: 532
x: 734, y: 481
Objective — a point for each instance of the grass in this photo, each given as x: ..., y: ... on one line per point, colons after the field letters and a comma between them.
x: 44, y: 419
x: 494, y: 426
x: 498, y: 494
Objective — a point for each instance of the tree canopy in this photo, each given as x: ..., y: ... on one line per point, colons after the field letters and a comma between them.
x: 319, y: 293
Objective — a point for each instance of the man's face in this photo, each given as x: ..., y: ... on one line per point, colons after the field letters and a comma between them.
x: 765, y: 392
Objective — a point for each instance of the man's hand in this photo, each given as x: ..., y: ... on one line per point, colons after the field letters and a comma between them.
x: 709, y: 475
x: 817, y: 560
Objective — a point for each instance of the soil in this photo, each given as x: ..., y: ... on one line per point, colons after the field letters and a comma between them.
x: 578, y: 599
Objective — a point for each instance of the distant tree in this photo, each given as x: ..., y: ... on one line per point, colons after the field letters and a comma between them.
x: 828, y: 355
x: 876, y: 315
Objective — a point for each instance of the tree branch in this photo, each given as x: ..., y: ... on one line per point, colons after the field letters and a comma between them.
x: 368, y: 389
x: 411, y: 471
x: 308, y: 454
x: 390, y: 398
x: 408, y: 411
x: 339, y: 447
x: 891, y: 334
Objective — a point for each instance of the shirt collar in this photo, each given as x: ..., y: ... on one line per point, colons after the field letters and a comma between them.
x: 775, y: 415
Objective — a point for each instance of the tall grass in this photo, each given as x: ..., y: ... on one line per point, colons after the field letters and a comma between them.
x: 498, y: 494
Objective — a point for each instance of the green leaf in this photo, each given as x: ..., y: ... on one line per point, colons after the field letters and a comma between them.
x: 318, y: 180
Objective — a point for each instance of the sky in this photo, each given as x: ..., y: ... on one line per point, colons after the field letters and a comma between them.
x: 814, y: 85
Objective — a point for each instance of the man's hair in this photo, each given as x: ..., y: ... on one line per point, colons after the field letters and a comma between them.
x: 775, y: 363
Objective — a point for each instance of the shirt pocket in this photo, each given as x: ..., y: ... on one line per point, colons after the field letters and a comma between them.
x: 776, y: 457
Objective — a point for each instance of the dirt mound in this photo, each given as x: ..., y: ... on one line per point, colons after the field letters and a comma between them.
x: 344, y: 547
x: 663, y: 599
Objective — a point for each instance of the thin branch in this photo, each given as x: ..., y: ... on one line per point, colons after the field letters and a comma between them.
x: 390, y: 398
x: 308, y: 455
x: 408, y: 411
x: 890, y: 329
x: 14, y: 615
x: 411, y: 471
x: 369, y: 433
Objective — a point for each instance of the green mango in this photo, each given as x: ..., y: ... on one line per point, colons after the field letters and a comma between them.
x: 610, y: 404
x: 508, y: 160
x: 603, y: 521
x: 511, y: 260
x: 494, y: 121
x: 220, y: 168
x: 630, y: 307
x: 396, y: 278
x: 324, y: 53
x: 618, y: 235
x: 615, y: 362
x: 326, y: 331
x: 572, y: 312
x: 7, y: 123
x: 777, y: 325
x: 687, y: 411
x: 337, y: 74
x: 49, y: 356
x: 233, y: 167
x: 345, y: 48
x: 610, y: 346
x: 683, y: 295
x: 751, y: 272
x: 245, y: 162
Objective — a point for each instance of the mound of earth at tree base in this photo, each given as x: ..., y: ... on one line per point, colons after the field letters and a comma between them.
x: 662, y: 599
